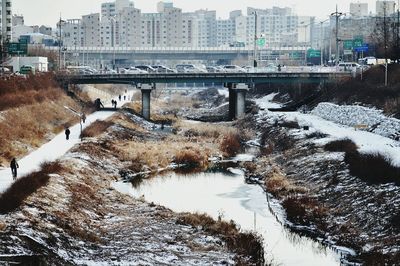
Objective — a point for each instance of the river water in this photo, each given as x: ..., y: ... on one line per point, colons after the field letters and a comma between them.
x: 226, y: 194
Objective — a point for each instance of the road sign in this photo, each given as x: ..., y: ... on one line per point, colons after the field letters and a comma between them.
x: 347, y: 52
x: 311, y: 53
x: 363, y: 48
x: 17, y: 48
x: 261, y: 42
x: 348, y: 44
x: 358, y: 42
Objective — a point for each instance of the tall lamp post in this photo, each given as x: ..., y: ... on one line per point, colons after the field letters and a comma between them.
x: 337, y: 15
x: 255, y: 39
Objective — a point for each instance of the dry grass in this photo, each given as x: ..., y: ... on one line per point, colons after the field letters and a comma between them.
x: 342, y: 145
x: 373, y: 168
x: 303, y: 209
x: 279, y: 186
x: 96, y: 128
x: 191, y: 158
x: 244, y: 244
x: 202, y: 130
x: 27, y: 127
x: 25, y: 186
x: 155, y: 154
x: 230, y: 144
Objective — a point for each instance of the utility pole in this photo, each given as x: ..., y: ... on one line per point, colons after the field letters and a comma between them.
x: 322, y: 43
x: 337, y: 15
x: 59, y: 45
x: 385, y: 33
x: 255, y: 39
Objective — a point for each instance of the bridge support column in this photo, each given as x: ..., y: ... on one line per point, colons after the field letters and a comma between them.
x: 232, y: 100
x: 146, y: 96
x: 241, y: 90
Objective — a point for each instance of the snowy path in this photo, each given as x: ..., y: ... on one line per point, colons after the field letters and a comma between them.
x: 54, y: 149
x: 367, y: 142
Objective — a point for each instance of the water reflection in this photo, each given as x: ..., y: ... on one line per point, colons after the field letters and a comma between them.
x: 226, y: 194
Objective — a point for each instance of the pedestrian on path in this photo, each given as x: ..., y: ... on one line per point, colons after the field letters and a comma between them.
x: 115, y: 104
x: 83, y: 117
x: 67, y: 133
x: 120, y: 97
x: 14, y: 165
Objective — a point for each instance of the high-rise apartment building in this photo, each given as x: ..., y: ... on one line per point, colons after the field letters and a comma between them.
x: 385, y: 8
x: 111, y: 9
x: 91, y: 30
x: 359, y: 9
x: 6, y: 20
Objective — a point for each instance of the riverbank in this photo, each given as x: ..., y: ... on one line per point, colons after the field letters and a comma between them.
x: 77, y: 218
x: 321, y: 198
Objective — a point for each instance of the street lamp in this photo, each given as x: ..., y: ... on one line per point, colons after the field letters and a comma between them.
x: 337, y: 15
x: 255, y: 38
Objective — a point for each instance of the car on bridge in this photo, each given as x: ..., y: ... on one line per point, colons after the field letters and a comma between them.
x: 233, y: 69
x: 132, y: 70
x: 163, y: 69
x: 146, y: 68
x: 189, y: 68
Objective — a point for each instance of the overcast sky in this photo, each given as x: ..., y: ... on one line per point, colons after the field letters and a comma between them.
x: 47, y: 12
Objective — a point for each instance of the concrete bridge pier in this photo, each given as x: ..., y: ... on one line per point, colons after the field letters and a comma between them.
x: 232, y: 100
x: 146, y: 98
x: 241, y: 90
x: 237, y: 99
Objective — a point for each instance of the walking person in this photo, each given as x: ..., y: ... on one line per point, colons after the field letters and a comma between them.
x: 14, y: 165
x: 115, y: 104
x: 67, y: 133
x: 120, y: 97
x: 83, y: 117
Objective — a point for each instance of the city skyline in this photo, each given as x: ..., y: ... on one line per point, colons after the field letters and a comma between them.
x: 68, y: 8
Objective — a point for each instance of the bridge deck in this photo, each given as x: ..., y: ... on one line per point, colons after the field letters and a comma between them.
x: 270, y: 77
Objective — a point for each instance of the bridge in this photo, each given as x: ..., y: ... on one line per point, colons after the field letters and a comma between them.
x: 127, y: 56
x: 237, y: 83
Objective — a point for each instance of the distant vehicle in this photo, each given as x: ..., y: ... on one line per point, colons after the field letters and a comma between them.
x: 349, y: 66
x: 233, y: 69
x: 25, y: 70
x: 133, y: 70
x: 110, y: 71
x: 146, y: 68
x: 83, y: 70
x: 189, y: 68
x: 5, y: 70
x: 163, y: 69
x: 212, y: 69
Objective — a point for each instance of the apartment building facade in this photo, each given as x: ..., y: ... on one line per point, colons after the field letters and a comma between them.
x: 6, y: 20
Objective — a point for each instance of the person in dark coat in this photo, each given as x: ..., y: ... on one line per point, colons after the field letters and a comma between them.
x: 67, y: 133
x: 115, y: 104
x: 83, y: 117
x: 120, y: 97
x: 14, y: 165
x: 98, y: 104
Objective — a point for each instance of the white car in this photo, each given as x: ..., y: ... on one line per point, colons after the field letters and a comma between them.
x: 233, y: 69
x: 133, y: 70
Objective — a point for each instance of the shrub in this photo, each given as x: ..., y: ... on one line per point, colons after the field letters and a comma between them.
x: 303, y: 209
x: 230, y: 144
x: 245, y: 244
x: 342, y: 145
x: 290, y: 124
x: 96, y: 129
x: 25, y: 186
x: 190, y: 158
x: 372, y: 168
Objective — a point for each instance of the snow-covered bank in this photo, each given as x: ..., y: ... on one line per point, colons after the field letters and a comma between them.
x: 354, y: 115
x: 316, y: 187
x: 54, y: 149
x: 368, y: 142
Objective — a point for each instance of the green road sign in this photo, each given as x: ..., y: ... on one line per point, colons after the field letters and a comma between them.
x: 311, y: 53
x: 261, y: 42
x: 295, y: 55
x: 358, y: 42
x: 16, y: 48
x: 348, y: 44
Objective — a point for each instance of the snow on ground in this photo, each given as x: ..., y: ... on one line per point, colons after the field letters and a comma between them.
x: 368, y: 142
x: 223, y: 92
x: 54, y: 149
